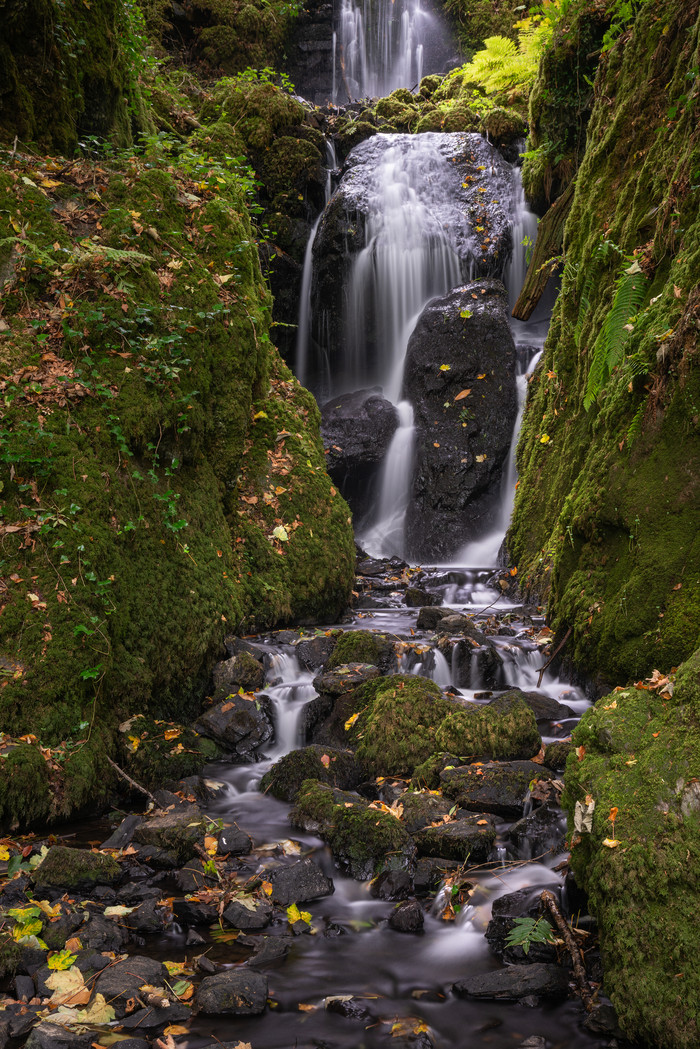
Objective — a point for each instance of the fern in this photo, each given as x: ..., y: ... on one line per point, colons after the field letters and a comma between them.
x: 630, y: 289
x: 635, y: 426
x: 504, y: 65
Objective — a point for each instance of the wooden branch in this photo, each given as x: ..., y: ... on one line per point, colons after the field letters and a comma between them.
x: 562, y: 925
x: 545, y: 257
x: 555, y: 653
x: 134, y: 784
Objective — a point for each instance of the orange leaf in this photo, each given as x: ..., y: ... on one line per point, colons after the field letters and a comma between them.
x: 171, y: 733
x: 325, y: 760
x: 613, y: 813
x: 462, y: 394
x: 581, y: 752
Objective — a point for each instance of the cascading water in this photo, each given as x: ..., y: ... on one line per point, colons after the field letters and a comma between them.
x: 381, y: 47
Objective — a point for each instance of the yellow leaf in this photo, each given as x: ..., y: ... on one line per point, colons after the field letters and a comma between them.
x: 281, y: 533
x: 176, y: 1029
x: 611, y: 843
x: 481, y: 376
x: 260, y: 415
x: 481, y: 458
x: 211, y: 844
x: 444, y: 367
x: 266, y: 887
x: 134, y: 742
x: 545, y: 438
x: 305, y: 1007
x: 172, y: 733
x: 4, y: 852
x: 351, y: 721
x: 49, y: 183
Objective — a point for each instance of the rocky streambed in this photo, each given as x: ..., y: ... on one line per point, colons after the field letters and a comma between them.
x: 385, y: 813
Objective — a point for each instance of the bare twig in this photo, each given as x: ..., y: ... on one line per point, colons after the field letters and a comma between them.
x: 134, y: 784
x: 556, y: 652
x: 562, y: 925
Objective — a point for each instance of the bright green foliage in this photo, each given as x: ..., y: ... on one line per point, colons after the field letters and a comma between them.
x: 527, y: 931
x: 506, y: 66
x: 608, y: 349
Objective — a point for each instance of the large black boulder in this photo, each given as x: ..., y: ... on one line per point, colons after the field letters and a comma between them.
x: 357, y: 429
x: 461, y: 342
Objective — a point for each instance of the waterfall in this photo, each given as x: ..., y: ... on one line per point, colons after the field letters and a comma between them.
x: 382, y: 44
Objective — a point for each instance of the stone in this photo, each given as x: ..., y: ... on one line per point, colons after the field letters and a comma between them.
x: 73, y: 869
x: 461, y: 450
x: 519, y: 904
x: 430, y: 873
x: 516, y: 982
x: 420, y: 809
x: 391, y: 885
x: 122, y: 836
x: 122, y: 980
x: 313, y: 652
x: 248, y: 913
x: 102, y: 934
x: 470, y: 839
x: 475, y: 668
x: 299, y: 882
x: 153, y: 1017
x: 238, y: 992
x: 357, y: 429
x: 267, y: 949
x: 148, y: 918
x: 407, y: 917
x: 506, y: 731
x: 414, y: 597
x: 241, y: 671
x: 192, y: 877
x: 239, y: 724
x: 177, y: 832
x: 544, y: 707
x: 234, y: 841
x: 541, y: 831
x: 326, y: 764
x: 429, y: 617
x: 555, y: 755
x: 345, y: 678
x: 500, y: 788
x: 49, y: 1035
x: 192, y: 912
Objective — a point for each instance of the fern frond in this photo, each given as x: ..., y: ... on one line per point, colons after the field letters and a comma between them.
x: 630, y: 290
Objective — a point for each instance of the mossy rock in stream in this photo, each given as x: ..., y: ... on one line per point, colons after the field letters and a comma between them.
x: 337, y: 768
x: 638, y: 756
x: 399, y: 717
x: 365, y: 841
x: 73, y: 869
x: 156, y: 752
x: 506, y: 732
x: 363, y: 646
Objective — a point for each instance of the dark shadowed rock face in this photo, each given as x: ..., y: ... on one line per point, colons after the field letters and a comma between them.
x: 462, y: 341
x: 357, y: 429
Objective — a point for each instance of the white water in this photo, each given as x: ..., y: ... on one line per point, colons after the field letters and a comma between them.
x: 381, y: 45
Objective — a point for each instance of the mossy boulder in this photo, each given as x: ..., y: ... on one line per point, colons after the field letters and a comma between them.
x: 500, y: 788
x: 156, y: 752
x: 503, y: 126
x: 363, y: 646
x: 337, y: 768
x: 637, y: 756
x: 240, y: 671
x: 427, y: 774
x: 506, y: 732
x: 174, y: 832
x: 397, y: 730
x: 74, y: 869
x: 470, y: 838
x: 365, y: 841
x: 25, y: 795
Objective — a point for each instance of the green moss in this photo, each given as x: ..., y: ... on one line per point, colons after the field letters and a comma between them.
x: 503, y: 126
x: 397, y: 730
x: 10, y: 952
x: 638, y: 755
x: 506, y: 734
x: 361, y: 646
x: 66, y: 868
x: 324, y: 764
x: 604, y: 524
x: 24, y: 795
x: 155, y: 752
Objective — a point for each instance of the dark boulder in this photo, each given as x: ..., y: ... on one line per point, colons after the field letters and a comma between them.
x: 336, y: 767
x: 471, y: 839
x: 241, y: 992
x: 407, y: 917
x: 501, y: 788
x: 357, y: 429
x: 540, y: 831
x: 543, y: 707
x: 462, y: 341
x: 313, y: 652
x: 523, y: 903
x: 345, y: 678
x: 241, y: 671
x: 515, y: 982
x: 73, y: 869
x: 174, y: 832
x: 298, y: 883
x: 248, y: 912
x: 122, y: 981
x: 240, y: 724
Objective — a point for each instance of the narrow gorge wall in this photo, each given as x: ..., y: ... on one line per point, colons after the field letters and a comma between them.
x: 605, y: 522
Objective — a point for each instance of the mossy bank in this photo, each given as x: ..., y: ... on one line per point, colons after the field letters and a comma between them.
x: 605, y: 520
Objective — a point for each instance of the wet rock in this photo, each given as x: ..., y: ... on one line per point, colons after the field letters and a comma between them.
x: 392, y: 885
x: 23, y: 987
x: 543, y: 707
x: 602, y: 1021
x: 364, y: 841
x: 538, y: 832
x: 430, y: 873
x: 506, y: 730
x: 148, y: 918
x: 420, y: 810
x: 515, y: 982
x: 505, y: 909
x: 176, y: 832
x: 470, y: 838
x: 234, y: 841
x: 134, y: 893
x: 298, y: 883
x: 313, y: 652
x: 461, y: 450
x: 349, y: 1008
x: 247, y: 912
x: 500, y: 788
x: 427, y: 775
x: 162, y: 859
x: 54, y: 1036
x: 415, y: 597
x: 235, y: 646
x: 151, y: 1018
x: 407, y: 917
x: 369, y: 566
x: 357, y: 429
x: 363, y: 646
x: 56, y: 933
x: 192, y: 877
x: 335, y: 767
x: 122, y: 981
x: 192, y: 912
x: 429, y: 617
x: 476, y: 668
x: 345, y: 678
x: 122, y: 836
x: 238, y: 992
x: 238, y: 724
x: 241, y: 671
x: 75, y: 869
x: 555, y: 755
x: 267, y: 949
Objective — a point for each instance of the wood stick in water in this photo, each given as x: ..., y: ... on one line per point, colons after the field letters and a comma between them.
x: 562, y: 925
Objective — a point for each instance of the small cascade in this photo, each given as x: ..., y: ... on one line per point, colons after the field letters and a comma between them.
x: 386, y: 535
x: 441, y: 673
x: 290, y: 691
x: 382, y: 45
x: 524, y: 231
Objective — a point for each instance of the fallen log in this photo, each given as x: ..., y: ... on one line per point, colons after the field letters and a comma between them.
x: 546, y: 255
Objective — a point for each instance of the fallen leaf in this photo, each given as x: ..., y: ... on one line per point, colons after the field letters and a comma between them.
x: 462, y: 394
x: 351, y: 721
x: 281, y: 533
x: 444, y: 367
x: 610, y: 843
x: 325, y: 760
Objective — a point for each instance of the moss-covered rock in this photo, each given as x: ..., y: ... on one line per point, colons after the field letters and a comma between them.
x: 604, y: 524
x: 72, y: 869
x: 174, y: 832
x: 637, y: 757
x: 363, y: 646
x: 397, y: 729
x: 156, y: 752
x: 503, y: 126
x: 506, y: 732
x: 365, y: 841
x: 337, y: 768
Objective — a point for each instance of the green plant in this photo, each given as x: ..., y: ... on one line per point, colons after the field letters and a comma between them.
x: 630, y: 290
x: 527, y: 931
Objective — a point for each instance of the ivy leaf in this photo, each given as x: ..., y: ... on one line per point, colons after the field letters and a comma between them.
x: 61, y: 960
